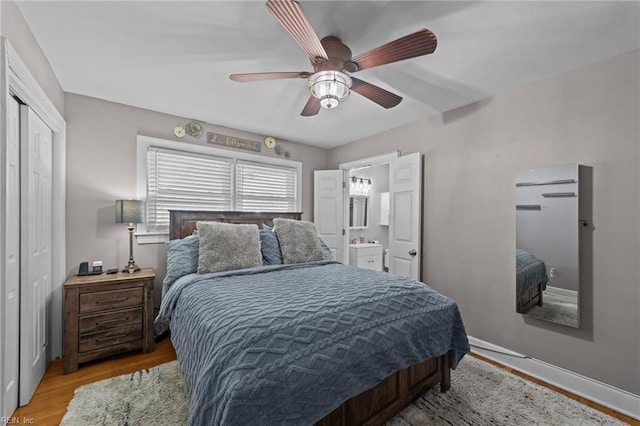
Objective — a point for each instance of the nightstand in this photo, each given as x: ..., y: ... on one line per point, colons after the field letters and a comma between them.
x: 107, y: 314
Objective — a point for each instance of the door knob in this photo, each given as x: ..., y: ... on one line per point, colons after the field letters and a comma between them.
x: 413, y: 253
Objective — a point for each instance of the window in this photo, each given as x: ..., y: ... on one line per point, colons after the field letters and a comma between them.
x: 265, y: 187
x: 182, y: 176
x: 185, y: 180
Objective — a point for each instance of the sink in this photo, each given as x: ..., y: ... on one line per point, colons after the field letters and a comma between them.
x: 365, y: 245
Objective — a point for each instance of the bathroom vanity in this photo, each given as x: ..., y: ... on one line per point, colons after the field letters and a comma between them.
x: 366, y: 256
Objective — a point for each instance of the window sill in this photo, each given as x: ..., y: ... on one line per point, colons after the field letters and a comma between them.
x: 152, y: 238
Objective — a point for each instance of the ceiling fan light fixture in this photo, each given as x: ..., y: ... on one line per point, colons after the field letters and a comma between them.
x: 331, y: 87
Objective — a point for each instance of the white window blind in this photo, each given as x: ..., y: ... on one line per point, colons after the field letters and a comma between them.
x: 185, y: 180
x: 265, y: 187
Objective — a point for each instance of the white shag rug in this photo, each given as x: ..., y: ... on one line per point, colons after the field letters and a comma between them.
x: 480, y: 394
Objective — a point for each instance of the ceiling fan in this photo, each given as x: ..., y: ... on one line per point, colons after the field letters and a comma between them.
x: 332, y: 61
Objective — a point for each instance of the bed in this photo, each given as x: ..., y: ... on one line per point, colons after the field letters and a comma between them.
x: 531, y: 281
x: 278, y: 344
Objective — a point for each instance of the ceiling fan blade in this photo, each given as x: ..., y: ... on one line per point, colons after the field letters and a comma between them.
x: 312, y: 107
x: 292, y: 18
x: 263, y: 76
x: 382, y: 97
x: 422, y: 42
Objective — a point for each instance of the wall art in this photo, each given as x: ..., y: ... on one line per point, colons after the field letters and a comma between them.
x: 224, y: 140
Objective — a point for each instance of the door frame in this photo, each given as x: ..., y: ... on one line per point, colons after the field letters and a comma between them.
x: 370, y: 161
x: 376, y: 160
x: 17, y: 80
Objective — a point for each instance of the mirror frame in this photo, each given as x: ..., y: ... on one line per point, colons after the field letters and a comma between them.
x: 367, y: 207
x: 548, y: 232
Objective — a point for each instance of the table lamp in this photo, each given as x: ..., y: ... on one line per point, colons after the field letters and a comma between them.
x: 130, y: 212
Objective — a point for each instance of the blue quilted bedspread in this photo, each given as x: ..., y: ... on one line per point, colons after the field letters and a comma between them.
x: 287, y: 344
x: 529, y: 272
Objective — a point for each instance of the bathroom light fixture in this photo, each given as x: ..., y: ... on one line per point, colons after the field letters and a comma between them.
x: 359, y: 186
x: 331, y: 87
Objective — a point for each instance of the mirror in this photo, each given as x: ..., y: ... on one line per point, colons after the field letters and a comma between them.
x: 547, y: 244
x: 358, y: 212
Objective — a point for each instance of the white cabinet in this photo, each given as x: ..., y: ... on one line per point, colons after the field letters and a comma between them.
x: 366, y: 256
x: 384, y: 209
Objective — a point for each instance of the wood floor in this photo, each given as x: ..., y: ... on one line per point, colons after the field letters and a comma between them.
x: 49, y: 404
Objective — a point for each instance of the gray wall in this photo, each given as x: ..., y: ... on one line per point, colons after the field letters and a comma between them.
x: 473, y: 156
x: 15, y: 29
x: 101, y: 167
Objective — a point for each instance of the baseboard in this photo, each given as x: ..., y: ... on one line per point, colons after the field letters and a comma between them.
x: 562, y: 292
x: 617, y: 399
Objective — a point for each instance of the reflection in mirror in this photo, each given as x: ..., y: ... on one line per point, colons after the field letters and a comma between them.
x: 358, y: 212
x: 547, y: 244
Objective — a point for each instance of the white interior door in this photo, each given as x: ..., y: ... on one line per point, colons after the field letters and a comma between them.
x: 11, y: 314
x: 328, y: 210
x: 405, y: 221
x: 35, y: 259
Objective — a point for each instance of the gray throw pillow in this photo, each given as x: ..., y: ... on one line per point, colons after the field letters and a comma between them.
x: 299, y: 242
x: 271, y: 254
x: 182, y: 259
x: 226, y: 246
x: 326, y: 251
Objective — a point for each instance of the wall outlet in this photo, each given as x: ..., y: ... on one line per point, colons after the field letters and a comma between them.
x: 553, y: 272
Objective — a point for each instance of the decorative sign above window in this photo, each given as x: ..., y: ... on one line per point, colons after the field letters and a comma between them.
x: 224, y: 140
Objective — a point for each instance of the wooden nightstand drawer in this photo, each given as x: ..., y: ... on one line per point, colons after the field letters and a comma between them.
x: 92, y: 341
x: 107, y: 300
x: 106, y: 322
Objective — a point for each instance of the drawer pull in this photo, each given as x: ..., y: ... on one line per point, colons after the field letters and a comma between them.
x: 113, y: 321
x: 113, y: 300
x: 116, y: 336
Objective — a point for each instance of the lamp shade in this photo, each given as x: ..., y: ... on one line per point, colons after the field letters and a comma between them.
x: 129, y: 211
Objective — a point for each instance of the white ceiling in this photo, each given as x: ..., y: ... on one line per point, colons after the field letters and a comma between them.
x: 175, y: 57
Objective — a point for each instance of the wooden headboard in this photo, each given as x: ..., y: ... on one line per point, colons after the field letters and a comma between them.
x: 182, y: 223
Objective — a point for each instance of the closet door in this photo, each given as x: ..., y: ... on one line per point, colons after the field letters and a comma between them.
x: 11, y: 314
x: 35, y: 230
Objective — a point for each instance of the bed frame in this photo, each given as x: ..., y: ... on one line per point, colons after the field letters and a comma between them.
x: 531, y: 297
x: 374, y: 406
